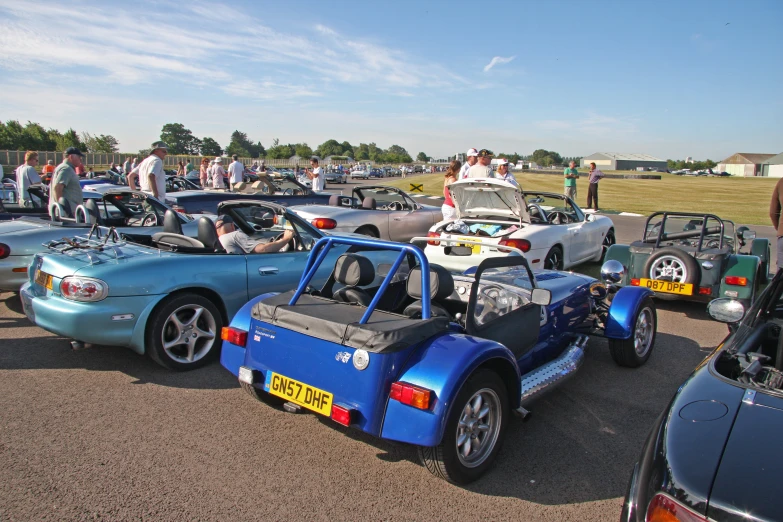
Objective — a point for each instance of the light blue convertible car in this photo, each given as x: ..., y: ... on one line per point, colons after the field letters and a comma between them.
x: 170, y: 297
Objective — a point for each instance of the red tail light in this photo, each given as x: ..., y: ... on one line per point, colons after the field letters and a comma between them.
x: 521, y: 244
x: 705, y: 290
x: 234, y: 336
x: 5, y: 250
x: 433, y: 234
x: 411, y: 395
x: 178, y: 209
x: 634, y: 282
x: 663, y: 508
x: 341, y: 415
x: 324, y: 223
x: 736, y: 280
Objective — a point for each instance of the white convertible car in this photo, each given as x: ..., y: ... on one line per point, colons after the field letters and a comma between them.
x: 550, y: 229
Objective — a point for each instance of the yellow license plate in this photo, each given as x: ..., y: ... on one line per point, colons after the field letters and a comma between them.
x: 667, y: 287
x: 475, y: 249
x: 299, y: 393
x: 43, y: 279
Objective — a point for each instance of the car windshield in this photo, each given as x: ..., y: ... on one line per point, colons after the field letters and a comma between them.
x: 550, y: 203
x: 385, y: 199
x: 284, y: 187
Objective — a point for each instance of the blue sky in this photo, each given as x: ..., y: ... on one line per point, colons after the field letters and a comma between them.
x: 670, y: 79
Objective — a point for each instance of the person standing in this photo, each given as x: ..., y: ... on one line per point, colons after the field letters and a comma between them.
x: 135, y: 163
x: 449, y: 212
x: 80, y: 170
x: 188, y: 167
x: 504, y: 174
x: 152, y: 177
x: 592, y: 188
x: 202, y: 172
x: 571, y: 175
x: 218, y: 174
x: 127, y: 166
x: 775, y: 207
x: 482, y: 167
x: 65, y: 182
x: 180, y: 168
x: 471, y: 159
x: 315, y: 175
x: 26, y: 177
x: 236, y: 171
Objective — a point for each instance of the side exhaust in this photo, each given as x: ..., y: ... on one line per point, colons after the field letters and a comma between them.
x: 555, y: 372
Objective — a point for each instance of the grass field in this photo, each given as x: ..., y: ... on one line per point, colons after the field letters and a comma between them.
x: 742, y: 200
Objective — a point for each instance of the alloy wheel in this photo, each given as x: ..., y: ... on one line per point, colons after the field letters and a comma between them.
x: 188, y: 333
x: 669, y: 268
x: 643, y: 332
x: 478, y: 427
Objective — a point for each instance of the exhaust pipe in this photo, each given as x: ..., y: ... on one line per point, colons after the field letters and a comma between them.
x: 554, y: 373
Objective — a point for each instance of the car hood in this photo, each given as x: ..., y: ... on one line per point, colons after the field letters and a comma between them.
x: 747, y: 484
x: 483, y: 197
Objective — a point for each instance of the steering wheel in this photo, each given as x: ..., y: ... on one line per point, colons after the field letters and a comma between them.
x: 491, y: 310
x: 395, y: 205
x: 713, y: 243
x: 288, y: 192
x: 535, y: 208
x: 292, y: 245
x: 557, y: 217
x: 149, y: 220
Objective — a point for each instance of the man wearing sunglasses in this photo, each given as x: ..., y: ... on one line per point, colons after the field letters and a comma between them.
x: 482, y: 168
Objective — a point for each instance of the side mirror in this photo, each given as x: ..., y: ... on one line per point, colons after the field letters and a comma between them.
x: 590, y: 218
x: 541, y: 296
x: 726, y: 310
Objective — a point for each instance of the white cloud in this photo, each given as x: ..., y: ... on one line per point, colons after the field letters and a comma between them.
x: 497, y: 60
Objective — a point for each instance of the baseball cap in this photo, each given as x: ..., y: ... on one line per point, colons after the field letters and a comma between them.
x: 160, y: 145
x: 472, y: 152
x: 224, y: 220
x: 485, y: 153
x: 73, y: 150
x: 502, y: 161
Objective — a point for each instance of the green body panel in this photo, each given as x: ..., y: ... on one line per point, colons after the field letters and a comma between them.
x: 760, y: 247
x: 741, y: 266
x: 622, y: 254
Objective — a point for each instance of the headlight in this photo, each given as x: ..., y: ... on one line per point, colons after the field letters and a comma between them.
x: 83, y: 289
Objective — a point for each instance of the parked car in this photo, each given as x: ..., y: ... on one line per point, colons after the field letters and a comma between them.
x: 359, y: 174
x: 549, y: 228
x: 715, y: 453
x: 170, y: 298
x: 376, y: 173
x: 376, y: 211
x: 391, y: 171
x: 694, y: 256
x: 125, y: 210
x: 287, y: 192
x: 336, y: 176
x: 439, y: 369
x: 418, y: 169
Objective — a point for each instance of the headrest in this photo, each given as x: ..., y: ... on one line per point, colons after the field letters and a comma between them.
x: 441, y: 282
x: 240, y: 185
x: 335, y: 200
x: 257, y: 185
x: 171, y: 223
x: 368, y: 203
x: 207, y: 233
x: 354, y: 270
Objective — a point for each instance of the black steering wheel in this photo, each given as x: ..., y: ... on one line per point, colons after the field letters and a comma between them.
x: 149, y: 220
x: 557, y: 217
x: 288, y: 192
x: 713, y: 243
x: 292, y: 245
x: 490, y: 310
x: 395, y: 205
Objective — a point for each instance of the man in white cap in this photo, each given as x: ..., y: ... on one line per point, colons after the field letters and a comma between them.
x: 218, y: 174
x: 472, y: 158
x: 504, y: 174
x: 482, y: 167
x: 152, y: 178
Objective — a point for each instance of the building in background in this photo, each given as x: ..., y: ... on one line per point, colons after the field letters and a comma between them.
x: 743, y: 164
x: 773, y: 167
x: 623, y: 161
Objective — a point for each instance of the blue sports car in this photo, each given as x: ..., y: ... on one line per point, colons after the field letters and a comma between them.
x: 419, y: 355
x: 170, y: 297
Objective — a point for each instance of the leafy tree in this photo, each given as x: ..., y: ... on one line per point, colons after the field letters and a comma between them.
x: 210, y: 147
x: 236, y: 148
x: 329, y: 148
x: 362, y: 153
x: 277, y: 151
x: 422, y: 157
x: 546, y: 158
x: 241, y: 145
x: 104, y: 143
x: 70, y: 139
x: 347, y: 149
x: 396, y: 154
x: 302, y: 150
x: 179, y: 139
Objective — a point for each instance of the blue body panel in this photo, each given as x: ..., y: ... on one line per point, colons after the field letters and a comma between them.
x: 622, y: 312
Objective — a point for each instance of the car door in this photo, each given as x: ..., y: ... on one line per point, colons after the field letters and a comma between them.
x: 407, y: 224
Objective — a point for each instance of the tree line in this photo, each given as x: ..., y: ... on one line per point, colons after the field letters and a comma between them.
x: 33, y: 136
x: 695, y: 165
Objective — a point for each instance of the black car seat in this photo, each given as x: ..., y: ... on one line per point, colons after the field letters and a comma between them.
x: 441, y: 286
x: 353, y: 271
x: 38, y: 192
x: 92, y: 210
x: 368, y: 203
x: 171, y: 223
x: 207, y: 233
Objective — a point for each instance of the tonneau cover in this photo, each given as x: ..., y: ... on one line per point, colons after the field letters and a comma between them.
x: 339, y: 323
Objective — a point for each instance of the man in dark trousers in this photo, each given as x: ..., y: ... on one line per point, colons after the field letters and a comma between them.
x: 775, y: 207
x: 592, y: 188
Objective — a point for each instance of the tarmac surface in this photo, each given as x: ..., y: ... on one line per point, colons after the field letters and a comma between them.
x: 103, y: 433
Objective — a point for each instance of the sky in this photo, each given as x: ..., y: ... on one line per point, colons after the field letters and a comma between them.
x: 670, y: 79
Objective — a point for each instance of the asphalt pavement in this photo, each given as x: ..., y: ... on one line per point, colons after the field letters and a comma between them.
x: 103, y: 433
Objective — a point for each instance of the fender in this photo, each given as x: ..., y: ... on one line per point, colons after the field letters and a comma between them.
x: 742, y: 266
x: 622, y: 254
x: 231, y: 355
x: 622, y: 311
x: 137, y: 343
x: 443, y: 367
x: 760, y: 247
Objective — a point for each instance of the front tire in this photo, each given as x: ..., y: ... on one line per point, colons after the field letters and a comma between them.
x: 634, y: 351
x: 184, y: 332
x: 473, y: 433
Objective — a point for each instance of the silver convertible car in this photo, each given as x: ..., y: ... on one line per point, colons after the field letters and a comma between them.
x: 128, y: 211
x: 376, y: 211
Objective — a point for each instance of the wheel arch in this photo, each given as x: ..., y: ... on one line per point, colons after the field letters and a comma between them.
x: 368, y: 226
x: 622, y: 311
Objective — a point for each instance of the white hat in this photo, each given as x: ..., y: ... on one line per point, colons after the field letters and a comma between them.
x: 472, y: 152
x: 502, y: 161
x: 218, y: 160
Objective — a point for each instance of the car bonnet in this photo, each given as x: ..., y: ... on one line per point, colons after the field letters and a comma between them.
x: 482, y: 197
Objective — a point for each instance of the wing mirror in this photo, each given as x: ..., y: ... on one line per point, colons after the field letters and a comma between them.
x: 745, y: 233
x: 541, y: 296
x: 726, y: 310
x: 589, y: 218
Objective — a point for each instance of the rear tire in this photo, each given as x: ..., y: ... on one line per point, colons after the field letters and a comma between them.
x: 634, y: 351
x: 368, y: 231
x: 481, y: 440
x: 261, y: 395
x: 554, y: 259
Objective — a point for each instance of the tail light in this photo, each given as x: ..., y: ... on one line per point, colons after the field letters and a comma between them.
x: 705, y: 290
x: 178, y: 209
x: 433, y: 234
x: 234, y: 336
x: 663, y: 508
x: 341, y: 415
x: 324, y: 223
x: 411, y: 395
x: 736, y: 280
x: 635, y: 282
x: 5, y: 250
x: 84, y: 289
x: 521, y: 244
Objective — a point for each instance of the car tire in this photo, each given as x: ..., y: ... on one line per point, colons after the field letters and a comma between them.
x: 261, y: 395
x: 446, y: 460
x: 676, y: 259
x: 554, y: 258
x: 367, y: 231
x: 199, y: 341
x: 609, y: 240
x: 634, y: 351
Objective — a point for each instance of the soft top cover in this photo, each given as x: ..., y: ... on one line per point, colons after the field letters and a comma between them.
x: 338, y: 323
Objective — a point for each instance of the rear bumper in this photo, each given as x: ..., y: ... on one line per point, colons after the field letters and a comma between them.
x: 11, y: 281
x: 436, y: 255
x: 111, y: 322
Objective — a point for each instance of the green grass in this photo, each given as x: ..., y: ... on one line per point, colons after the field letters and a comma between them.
x: 742, y: 200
